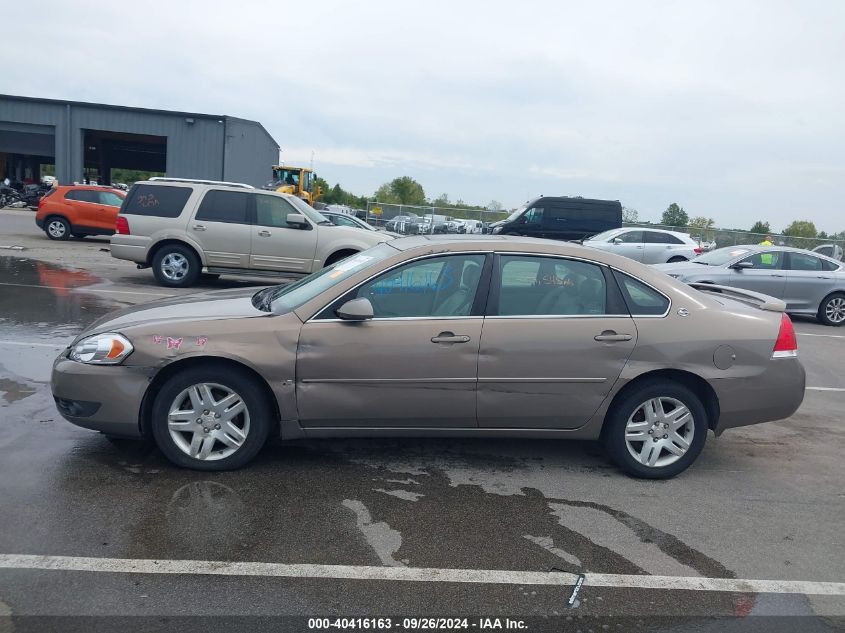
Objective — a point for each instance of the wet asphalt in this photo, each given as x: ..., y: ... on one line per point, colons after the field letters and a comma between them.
x: 763, y: 502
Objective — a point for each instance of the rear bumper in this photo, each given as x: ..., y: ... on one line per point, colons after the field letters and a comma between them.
x: 123, y: 248
x: 102, y: 398
x: 774, y: 394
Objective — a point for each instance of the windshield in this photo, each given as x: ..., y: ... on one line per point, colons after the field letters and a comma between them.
x: 720, y: 256
x: 606, y: 236
x: 283, y: 299
x: 513, y: 216
x: 305, y: 209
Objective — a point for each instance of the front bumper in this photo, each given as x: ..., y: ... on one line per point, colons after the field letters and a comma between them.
x: 774, y: 394
x: 98, y: 397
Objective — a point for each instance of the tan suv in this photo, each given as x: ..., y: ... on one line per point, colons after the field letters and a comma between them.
x: 184, y: 228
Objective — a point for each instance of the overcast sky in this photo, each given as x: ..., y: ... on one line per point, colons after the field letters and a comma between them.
x: 736, y: 110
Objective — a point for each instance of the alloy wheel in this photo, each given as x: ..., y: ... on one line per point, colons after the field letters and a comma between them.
x: 174, y: 266
x: 835, y: 310
x: 208, y: 421
x: 659, y: 432
x: 56, y: 228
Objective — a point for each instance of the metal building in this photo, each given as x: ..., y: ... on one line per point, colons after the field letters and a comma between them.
x: 85, y: 141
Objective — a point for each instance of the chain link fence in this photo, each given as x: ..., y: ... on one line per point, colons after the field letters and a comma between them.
x: 716, y: 238
x: 413, y: 219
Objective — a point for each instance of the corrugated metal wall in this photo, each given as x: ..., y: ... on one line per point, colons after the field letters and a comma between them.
x: 196, y: 149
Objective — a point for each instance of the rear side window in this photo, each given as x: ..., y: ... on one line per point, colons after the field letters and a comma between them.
x: 83, y: 195
x: 224, y: 206
x: 158, y: 201
x: 653, y: 237
x: 110, y: 198
x: 799, y: 261
x: 642, y: 300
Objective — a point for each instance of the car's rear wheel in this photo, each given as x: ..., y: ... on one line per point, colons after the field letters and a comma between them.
x: 657, y: 430
x: 677, y: 258
x: 211, y: 419
x: 57, y: 228
x: 832, y: 310
x: 176, y: 266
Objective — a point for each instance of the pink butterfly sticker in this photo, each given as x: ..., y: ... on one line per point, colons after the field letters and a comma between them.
x: 174, y: 343
x: 157, y: 340
x: 202, y: 340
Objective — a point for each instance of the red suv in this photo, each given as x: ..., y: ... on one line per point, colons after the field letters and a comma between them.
x: 79, y: 210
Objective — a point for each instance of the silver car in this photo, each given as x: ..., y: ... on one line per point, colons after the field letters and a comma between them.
x: 649, y: 246
x: 809, y: 283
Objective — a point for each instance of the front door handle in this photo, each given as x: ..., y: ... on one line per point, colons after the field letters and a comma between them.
x: 774, y: 275
x: 610, y: 336
x: 264, y: 233
x: 199, y: 227
x: 449, y: 337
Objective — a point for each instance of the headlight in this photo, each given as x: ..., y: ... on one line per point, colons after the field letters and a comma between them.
x: 496, y: 229
x: 101, y: 349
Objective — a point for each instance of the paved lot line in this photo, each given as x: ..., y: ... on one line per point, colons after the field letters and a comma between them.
x: 87, y: 289
x: 825, y: 388
x: 412, y: 574
x: 821, y: 335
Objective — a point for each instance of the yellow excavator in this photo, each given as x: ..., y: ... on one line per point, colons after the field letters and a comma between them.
x: 299, y: 181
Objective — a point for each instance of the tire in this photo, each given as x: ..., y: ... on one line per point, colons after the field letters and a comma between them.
x: 832, y: 310
x: 336, y: 257
x: 631, y: 407
x: 176, y: 266
x: 677, y: 258
x: 57, y: 228
x: 250, y: 426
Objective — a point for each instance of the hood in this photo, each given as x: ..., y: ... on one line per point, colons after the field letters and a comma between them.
x: 371, y: 237
x: 682, y: 269
x: 218, y: 304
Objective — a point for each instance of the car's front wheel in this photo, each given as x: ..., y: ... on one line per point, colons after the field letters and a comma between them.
x: 211, y: 419
x: 57, y: 228
x: 176, y: 266
x: 656, y: 431
x: 832, y: 310
x: 677, y: 258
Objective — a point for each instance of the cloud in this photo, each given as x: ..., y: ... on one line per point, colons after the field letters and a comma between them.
x: 732, y: 109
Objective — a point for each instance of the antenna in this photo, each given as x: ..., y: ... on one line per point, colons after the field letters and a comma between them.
x: 312, y: 160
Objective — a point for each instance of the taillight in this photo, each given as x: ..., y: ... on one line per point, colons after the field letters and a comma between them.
x: 786, y: 345
x: 698, y: 250
x: 122, y: 225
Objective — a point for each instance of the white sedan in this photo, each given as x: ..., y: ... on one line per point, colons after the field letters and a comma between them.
x: 649, y: 246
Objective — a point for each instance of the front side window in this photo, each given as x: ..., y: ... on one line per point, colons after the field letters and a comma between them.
x: 642, y: 300
x: 433, y: 287
x: 766, y: 261
x: 224, y: 206
x: 550, y: 286
x: 272, y: 211
x: 533, y: 216
x: 630, y: 237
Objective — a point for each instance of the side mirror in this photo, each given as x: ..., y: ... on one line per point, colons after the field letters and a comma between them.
x: 617, y: 240
x: 298, y: 220
x: 742, y: 265
x: 359, y: 309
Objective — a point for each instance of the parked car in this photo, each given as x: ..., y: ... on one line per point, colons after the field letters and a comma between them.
x: 344, y: 219
x: 78, y: 210
x: 561, y: 218
x: 425, y: 336
x: 649, y: 246
x: 429, y: 224
x: 182, y: 228
x: 834, y: 251
x: 809, y: 283
x: 403, y: 223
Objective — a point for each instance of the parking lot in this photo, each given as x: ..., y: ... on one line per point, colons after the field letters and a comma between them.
x: 397, y: 527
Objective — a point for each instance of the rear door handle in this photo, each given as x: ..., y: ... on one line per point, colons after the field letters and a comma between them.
x: 610, y: 336
x: 778, y: 275
x: 199, y: 227
x: 264, y: 233
x: 449, y: 337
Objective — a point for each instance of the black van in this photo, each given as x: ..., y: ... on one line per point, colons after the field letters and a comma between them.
x: 561, y: 218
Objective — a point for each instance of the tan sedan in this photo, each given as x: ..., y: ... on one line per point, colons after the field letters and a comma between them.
x: 437, y: 336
